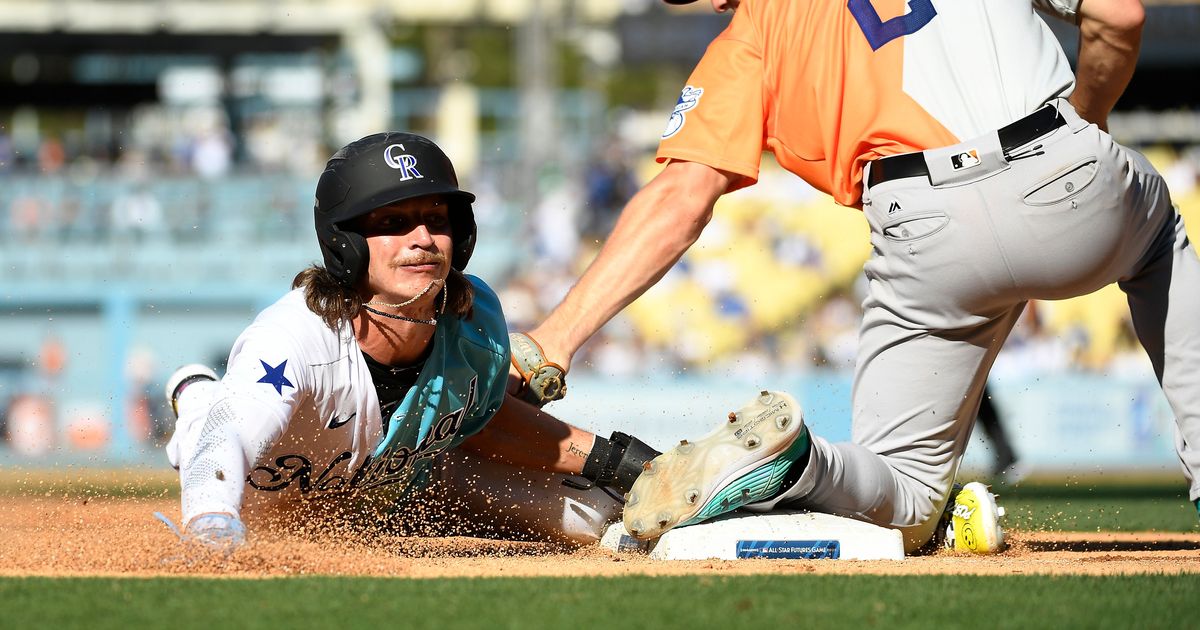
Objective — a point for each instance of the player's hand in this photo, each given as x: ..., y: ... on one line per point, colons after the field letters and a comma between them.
x: 215, y: 531
x: 535, y: 379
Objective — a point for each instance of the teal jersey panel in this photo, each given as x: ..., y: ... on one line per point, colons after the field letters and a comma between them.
x: 459, y: 389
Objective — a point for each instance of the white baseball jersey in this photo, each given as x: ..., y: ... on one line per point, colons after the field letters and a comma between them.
x: 296, y: 417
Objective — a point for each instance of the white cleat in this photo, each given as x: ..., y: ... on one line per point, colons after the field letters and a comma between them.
x: 742, y: 461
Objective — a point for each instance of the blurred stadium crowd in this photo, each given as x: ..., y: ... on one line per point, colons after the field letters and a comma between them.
x: 774, y: 286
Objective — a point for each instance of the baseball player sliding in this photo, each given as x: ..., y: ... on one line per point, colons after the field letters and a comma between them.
x: 986, y: 174
x: 383, y: 373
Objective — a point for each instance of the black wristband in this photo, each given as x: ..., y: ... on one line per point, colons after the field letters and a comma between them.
x: 616, y: 462
x: 596, y: 459
x: 634, y: 455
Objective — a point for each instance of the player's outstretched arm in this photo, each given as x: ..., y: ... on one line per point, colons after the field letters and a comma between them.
x: 523, y: 435
x: 1110, y: 35
x: 656, y: 227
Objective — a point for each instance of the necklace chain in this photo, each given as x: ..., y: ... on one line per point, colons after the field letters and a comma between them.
x: 410, y: 300
x: 432, y: 321
x: 428, y: 322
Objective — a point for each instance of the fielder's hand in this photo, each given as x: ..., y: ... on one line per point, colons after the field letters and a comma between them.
x: 216, y: 531
x: 542, y: 381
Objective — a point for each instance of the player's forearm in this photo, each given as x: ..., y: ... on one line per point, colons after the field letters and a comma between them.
x: 218, y: 457
x: 1110, y: 34
x: 656, y: 227
x: 212, y: 480
x: 524, y: 436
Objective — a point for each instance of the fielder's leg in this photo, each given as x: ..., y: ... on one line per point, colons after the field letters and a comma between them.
x: 940, y: 305
x: 1164, y: 299
x: 915, y: 399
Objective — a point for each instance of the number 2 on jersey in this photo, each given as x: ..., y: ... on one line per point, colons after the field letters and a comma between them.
x: 878, y: 32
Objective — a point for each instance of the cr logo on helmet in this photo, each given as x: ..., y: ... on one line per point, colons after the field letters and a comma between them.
x: 405, y: 163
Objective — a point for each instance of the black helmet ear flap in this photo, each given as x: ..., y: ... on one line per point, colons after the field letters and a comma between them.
x: 463, y: 229
x: 346, y: 254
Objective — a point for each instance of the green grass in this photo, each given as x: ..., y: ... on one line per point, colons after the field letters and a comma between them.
x: 1093, y: 504
x: 81, y: 482
x: 635, y: 602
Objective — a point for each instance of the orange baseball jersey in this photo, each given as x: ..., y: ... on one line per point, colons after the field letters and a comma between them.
x: 828, y: 85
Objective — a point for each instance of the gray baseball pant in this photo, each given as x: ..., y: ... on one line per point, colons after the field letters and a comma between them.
x: 955, y: 259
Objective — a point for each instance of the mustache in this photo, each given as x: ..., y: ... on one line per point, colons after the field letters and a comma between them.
x: 423, y: 258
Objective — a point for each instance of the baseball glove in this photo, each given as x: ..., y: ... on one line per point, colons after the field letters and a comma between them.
x: 542, y: 381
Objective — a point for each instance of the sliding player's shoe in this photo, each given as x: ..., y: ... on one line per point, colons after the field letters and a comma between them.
x: 743, y: 461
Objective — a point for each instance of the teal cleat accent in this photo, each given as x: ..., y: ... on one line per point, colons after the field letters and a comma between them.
x: 760, y: 484
x: 744, y: 460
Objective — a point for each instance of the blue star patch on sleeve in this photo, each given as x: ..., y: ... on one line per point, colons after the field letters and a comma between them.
x: 275, y: 377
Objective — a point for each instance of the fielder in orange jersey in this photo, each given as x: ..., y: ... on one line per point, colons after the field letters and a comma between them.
x: 986, y: 174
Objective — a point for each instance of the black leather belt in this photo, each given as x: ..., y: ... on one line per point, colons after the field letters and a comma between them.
x: 1018, y: 134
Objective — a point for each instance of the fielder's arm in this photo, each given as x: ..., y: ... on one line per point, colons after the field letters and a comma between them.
x: 656, y: 227
x: 1110, y: 35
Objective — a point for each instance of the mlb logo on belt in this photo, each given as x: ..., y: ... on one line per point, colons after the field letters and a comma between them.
x: 964, y: 160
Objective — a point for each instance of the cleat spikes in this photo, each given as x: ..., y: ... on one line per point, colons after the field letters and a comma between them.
x: 737, y: 464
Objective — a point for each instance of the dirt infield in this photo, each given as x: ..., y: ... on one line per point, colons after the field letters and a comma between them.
x: 57, y: 536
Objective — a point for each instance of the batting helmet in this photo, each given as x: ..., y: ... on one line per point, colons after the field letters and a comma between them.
x: 376, y: 171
